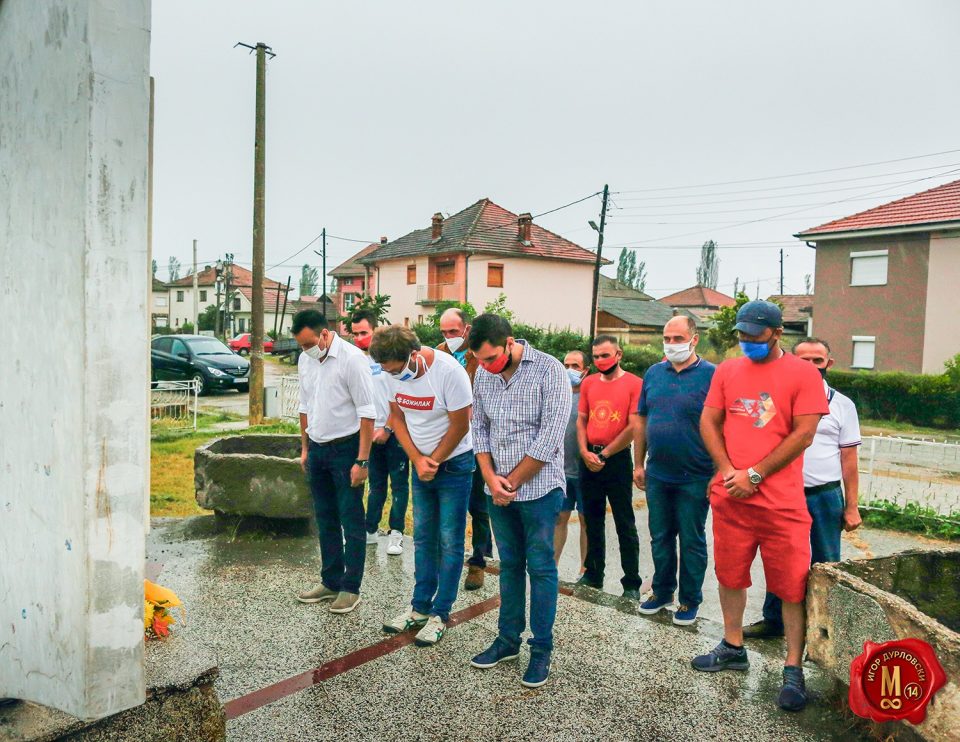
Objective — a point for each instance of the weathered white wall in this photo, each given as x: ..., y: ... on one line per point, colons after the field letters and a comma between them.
x: 73, y: 386
x: 941, y: 335
x: 403, y: 296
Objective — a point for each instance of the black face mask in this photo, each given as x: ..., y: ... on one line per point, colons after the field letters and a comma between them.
x: 823, y: 372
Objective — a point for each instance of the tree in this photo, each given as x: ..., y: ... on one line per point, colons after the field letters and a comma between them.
x: 173, y: 268
x: 722, y: 336
x: 737, y: 287
x: 499, y: 306
x: 378, y: 304
x: 153, y: 267
x: 708, y: 272
x: 208, y: 318
x: 807, y: 285
x: 631, y: 272
x: 640, y: 283
x: 309, y: 278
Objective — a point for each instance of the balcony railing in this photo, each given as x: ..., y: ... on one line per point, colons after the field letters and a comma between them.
x: 432, y: 293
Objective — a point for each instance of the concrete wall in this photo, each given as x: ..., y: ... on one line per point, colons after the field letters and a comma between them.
x: 941, y: 328
x: 74, y: 464
x: 392, y: 281
x: 894, y: 314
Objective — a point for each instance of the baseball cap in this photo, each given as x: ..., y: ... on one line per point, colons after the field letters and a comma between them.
x: 756, y: 316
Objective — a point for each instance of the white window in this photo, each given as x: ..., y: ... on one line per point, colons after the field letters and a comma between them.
x: 160, y: 301
x: 868, y: 268
x: 864, y: 347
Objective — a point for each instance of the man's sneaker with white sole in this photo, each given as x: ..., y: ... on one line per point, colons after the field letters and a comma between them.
x: 431, y: 633
x: 373, y: 538
x: 395, y: 543
x: 405, y: 621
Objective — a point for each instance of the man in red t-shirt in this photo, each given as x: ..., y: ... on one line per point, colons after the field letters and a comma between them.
x: 606, y: 421
x: 760, y: 414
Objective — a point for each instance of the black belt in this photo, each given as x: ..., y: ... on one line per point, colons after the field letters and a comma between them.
x: 816, y: 490
x: 335, y: 441
x: 595, y: 449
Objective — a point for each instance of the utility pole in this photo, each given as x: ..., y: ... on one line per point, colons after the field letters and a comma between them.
x: 594, y: 307
x: 259, y: 173
x: 323, y: 269
x: 781, y: 271
x: 196, y: 293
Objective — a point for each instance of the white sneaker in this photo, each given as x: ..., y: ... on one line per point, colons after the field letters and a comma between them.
x: 431, y: 633
x: 373, y: 538
x: 395, y: 543
x: 406, y: 620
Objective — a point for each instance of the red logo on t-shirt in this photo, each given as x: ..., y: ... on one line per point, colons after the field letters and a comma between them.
x: 761, y: 410
x: 415, y: 403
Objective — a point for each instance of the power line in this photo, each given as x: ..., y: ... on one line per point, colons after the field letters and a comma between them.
x: 291, y: 257
x: 793, y: 175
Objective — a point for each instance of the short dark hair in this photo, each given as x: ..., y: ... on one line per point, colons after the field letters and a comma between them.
x: 583, y: 356
x: 601, y: 339
x: 311, y: 318
x: 489, y: 328
x: 393, y: 343
x: 364, y: 314
x: 812, y: 341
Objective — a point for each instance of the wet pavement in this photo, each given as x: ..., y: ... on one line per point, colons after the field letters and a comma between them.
x: 292, y: 671
x: 238, y: 403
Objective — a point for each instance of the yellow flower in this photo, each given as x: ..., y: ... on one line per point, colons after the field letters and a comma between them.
x: 160, y: 595
x: 147, y: 614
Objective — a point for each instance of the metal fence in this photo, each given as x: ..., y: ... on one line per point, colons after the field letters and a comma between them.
x: 290, y: 397
x: 174, y: 404
x: 909, y: 471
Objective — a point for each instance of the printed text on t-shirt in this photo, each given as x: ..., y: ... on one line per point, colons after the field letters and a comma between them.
x: 415, y: 403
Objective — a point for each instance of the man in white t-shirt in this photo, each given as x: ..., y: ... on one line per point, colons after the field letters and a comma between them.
x: 829, y: 461
x: 430, y: 409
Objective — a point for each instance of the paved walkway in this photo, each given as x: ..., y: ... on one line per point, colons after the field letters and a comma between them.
x: 290, y: 671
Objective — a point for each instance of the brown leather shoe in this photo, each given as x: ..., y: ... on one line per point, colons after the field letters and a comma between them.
x: 475, y: 577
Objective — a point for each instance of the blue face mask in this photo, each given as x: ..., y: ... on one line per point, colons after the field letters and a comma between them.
x: 755, y: 351
x: 575, y: 377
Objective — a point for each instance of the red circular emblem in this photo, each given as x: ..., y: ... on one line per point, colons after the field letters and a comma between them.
x: 895, y: 680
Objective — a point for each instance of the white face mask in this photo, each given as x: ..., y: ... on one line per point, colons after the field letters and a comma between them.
x: 316, y: 352
x: 678, y: 352
x: 453, y: 344
x: 405, y: 374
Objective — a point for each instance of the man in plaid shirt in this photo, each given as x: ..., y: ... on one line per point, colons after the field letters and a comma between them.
x: 521, y: 404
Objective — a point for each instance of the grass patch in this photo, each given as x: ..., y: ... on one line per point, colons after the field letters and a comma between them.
x: 205, y: 419
x: 895, y: 428
x: 911, y: 518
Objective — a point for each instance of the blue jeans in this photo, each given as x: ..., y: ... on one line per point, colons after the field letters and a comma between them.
x: 826, y: 509
x: 439, y: 528
x: 678, y: 510
x: 388, y: 462
x: 524, y: 533
x: 339, y: 512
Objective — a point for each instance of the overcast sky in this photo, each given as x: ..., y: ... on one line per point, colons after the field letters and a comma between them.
x: 381, y: 113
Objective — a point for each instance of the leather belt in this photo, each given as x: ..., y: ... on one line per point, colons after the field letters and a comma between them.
x: 817, y: 489
x: 335, y: 441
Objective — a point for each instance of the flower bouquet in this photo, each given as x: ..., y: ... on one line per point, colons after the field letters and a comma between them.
x: 158, y: 603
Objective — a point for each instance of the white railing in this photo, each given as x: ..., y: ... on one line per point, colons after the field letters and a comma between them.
x: 906, y: 470
x: 290, y: 397
x: 175, y: 404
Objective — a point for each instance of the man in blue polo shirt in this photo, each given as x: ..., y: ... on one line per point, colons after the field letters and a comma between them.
x: 677, y: 473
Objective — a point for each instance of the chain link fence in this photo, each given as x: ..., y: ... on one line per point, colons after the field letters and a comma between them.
x: 290, y: 397
x: 906, y: 471
x: 174, y: 404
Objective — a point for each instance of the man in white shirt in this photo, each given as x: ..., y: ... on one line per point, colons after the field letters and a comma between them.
x: 830, y: 460
x: 430, y: 415
x: 336, y: 427
x: 388, y: 461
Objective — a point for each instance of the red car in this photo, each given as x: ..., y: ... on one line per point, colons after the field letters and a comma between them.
x: 241, y: 344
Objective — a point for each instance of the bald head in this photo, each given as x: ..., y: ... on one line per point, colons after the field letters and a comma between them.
x: 454, y: 323
x: 680, y: 329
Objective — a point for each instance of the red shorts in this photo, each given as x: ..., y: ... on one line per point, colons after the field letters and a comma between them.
x: 783, y: 537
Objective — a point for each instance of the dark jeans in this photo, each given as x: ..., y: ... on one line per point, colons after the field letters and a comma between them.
x: 826, y: 509
x: 388, y: 461
x: 678, y: 511
x: 480, y: 538
x: 439, y: 526
x: 524, y: 532
x: 614, y: 483
x: 339, y: 511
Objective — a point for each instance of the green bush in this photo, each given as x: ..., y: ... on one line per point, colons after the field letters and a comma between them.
x: 931, y: 401
x: 638, y: 358
x: 429, y: 335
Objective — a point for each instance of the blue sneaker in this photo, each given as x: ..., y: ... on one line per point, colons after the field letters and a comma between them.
x: 654, y: 604
x: 793, y: 694
x: 538, y: 670
x: 496, y: 653
x: 722, y: 657
x: 685, y: 615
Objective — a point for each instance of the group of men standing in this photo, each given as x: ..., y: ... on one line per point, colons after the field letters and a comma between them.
x: 495, y: 428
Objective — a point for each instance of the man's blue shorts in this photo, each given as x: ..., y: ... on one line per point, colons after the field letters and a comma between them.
x: 574, y: 497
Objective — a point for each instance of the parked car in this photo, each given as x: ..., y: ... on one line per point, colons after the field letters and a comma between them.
x: 288, y: 347
x: 201, y: 358
x: 241, y: 344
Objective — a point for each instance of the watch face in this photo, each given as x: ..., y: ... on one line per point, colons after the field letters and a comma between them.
x: 755, y: 478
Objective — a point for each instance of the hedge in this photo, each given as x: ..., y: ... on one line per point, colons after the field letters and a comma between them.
x: 930, y: 401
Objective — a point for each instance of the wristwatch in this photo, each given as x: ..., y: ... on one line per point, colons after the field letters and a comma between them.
x: 755, y: 476
x: 602, y: 458
x: 362, y: 463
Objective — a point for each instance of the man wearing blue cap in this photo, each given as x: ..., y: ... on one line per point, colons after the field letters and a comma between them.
x: 760, y: 414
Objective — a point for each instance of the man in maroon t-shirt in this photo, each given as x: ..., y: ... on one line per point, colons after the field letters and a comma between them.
x: 605, y: 424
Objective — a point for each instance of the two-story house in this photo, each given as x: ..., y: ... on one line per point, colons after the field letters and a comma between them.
x: 159, y: 304
x: 352, y: 277
x: 477, y: 254
x: 887, y: 283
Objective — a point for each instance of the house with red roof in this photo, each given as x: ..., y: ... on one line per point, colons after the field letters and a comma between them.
x: 352, y: 278
x: 701, y: 302
x: 887, y: 283
x: 477, y: 254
